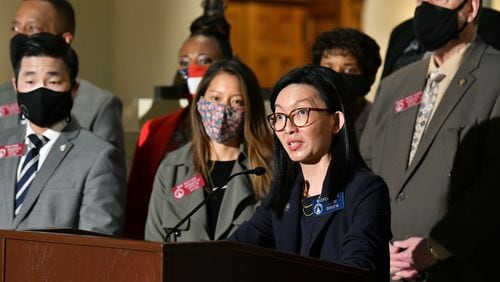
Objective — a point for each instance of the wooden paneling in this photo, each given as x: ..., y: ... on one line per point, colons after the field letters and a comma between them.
x: 275, y: 36
x: 269, y: 37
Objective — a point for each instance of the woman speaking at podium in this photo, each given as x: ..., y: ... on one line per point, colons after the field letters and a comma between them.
x: 324, y: 201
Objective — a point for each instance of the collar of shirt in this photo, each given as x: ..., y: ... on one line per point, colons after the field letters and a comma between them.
x: 449, y: 69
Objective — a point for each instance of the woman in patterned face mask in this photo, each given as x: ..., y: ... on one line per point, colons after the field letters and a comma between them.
x: 229, y: 135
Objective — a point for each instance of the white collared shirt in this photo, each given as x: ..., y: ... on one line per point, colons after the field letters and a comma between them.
x: 51, y: 133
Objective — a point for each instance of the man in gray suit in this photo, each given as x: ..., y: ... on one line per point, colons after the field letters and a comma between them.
x: 95, y: 109
x: 54, y: 174
x: 436, y: 144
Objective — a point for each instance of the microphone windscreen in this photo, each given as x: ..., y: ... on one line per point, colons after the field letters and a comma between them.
x: 259, y: 170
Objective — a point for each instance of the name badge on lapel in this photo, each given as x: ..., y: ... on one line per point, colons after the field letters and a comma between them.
x: 9, y: 109
x: 408, y: 102
x: 187, y: 187
x: 322, y: 206
x: 12, y: 150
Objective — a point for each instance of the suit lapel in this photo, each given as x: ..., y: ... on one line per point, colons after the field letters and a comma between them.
x: 59, y: 150
x: 458, y: 87
x: 288, y: 228
x: 403, y: 123
x: 9, y: 177
x: 321, y: 222
x: 405, y: 37
x: 188, y: 204
x: 238, y: 190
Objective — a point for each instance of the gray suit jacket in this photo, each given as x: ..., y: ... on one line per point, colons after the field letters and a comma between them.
x: 450, y: 191
x: 80, y: 185
x: 95, y: 109
x: 165, y: 211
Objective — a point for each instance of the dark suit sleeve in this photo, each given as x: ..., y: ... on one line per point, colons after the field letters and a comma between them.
x: 400, y: 37
x: 471, y: 225
x: 366, y: 242
x: 365, y: 142
x: 103, y: 201
x: 489, y: 21
x: 390, y: 54
x: 108, y: 123
x: 258, y: 230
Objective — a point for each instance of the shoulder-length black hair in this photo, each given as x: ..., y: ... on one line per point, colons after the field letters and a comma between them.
x: 346, y: 158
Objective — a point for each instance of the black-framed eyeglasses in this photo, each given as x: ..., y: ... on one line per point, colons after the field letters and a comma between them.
x: 298, y: 117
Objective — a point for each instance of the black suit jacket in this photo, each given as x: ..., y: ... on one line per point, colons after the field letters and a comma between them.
x: 357, y: 235
x: 402, y: 35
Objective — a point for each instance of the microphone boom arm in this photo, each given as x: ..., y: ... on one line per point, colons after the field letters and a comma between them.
x: 175, y: 230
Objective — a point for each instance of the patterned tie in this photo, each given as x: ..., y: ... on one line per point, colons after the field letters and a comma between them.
x: 28, y: 169
x: 425, y: 109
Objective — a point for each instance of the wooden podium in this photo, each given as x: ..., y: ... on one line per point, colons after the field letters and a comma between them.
x: 48, y: 256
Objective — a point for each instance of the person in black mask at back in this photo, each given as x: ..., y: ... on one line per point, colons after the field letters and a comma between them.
x: 433, y: 136
x: 404, y: 48
x: 356, y: 56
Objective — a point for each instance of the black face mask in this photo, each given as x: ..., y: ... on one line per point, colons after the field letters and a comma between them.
x: 435, y: 26
x: 45, y: 107
x: 357, y: 85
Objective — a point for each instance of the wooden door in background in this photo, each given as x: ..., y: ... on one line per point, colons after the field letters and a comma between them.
x: 274, y: 36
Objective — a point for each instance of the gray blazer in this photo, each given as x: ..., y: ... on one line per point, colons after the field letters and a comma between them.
x: 95, y: 109
x: 80, y: 185
x: 450, y: 191
x: 165, y: 211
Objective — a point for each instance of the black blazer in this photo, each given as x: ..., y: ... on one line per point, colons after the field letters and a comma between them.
x: 402, y: 35
x: 358, y: 235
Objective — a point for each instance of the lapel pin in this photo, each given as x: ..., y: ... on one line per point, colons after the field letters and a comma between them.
x: 462, y: 81
x: 62, y: 147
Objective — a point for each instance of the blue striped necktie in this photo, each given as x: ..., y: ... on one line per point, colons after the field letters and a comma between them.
x: 28, y: 169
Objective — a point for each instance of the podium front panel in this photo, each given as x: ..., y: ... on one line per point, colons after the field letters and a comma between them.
x: 44, y: 256
x: 31, y: 256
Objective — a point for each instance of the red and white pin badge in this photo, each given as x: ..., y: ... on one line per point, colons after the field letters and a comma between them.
x: 12, y: 150
x: 187, y: 187
x: 408, y: 102
x: 9, y: 109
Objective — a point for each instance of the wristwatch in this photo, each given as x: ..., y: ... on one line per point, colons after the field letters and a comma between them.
x: 433, y: 252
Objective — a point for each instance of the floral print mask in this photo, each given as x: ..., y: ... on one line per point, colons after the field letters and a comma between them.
x: 222, y: 122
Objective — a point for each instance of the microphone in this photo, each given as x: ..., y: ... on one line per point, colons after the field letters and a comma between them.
x: 175, y: 230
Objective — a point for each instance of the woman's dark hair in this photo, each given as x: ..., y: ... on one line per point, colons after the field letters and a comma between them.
x: 348, y: 41
x: 346, y: 158
x: 256, y: 134
x: 216, y: 27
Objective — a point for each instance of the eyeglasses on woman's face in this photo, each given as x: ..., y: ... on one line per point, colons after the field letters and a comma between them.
x: 298, y: 117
